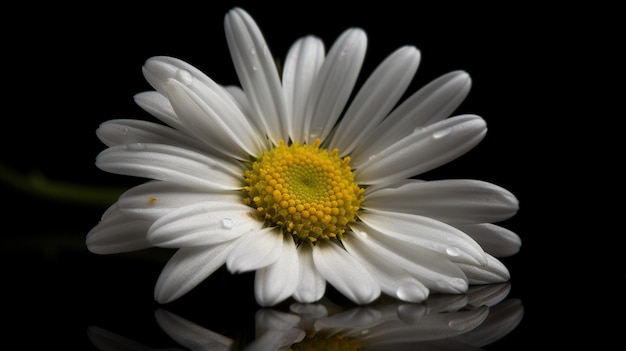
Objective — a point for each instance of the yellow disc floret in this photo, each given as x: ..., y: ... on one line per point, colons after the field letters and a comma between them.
x: 306, y: 190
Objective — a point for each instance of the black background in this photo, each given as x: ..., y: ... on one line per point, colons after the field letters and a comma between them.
x: 546, y: 80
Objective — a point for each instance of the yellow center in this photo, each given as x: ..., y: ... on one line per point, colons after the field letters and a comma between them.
x: 307, y: 191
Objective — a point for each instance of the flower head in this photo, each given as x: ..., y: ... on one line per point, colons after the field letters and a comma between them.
x: 295, y: 177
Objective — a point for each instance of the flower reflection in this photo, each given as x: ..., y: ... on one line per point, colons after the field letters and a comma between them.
x: 443, y: 322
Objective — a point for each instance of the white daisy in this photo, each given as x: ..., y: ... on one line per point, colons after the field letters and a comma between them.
x: 285, y: 178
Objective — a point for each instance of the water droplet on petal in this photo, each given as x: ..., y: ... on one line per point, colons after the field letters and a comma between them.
x: 441, y: 133
x: 255, y: 68
x: 453, y: 251
x: 183, y: 76
x: 136, y: 147
x: 228, y: 223
x: 411, y: 292
x: 253, y: 50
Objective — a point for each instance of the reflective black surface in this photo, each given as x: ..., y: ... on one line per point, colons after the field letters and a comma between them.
x: 542, y: 80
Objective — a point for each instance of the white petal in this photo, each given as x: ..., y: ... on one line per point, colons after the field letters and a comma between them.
x: 244, y: 105
x: 304, y: 59
x: 191, y: 335
x: 279, y: 280
x: 393, y: 279
x: 165, y: 162
x: 494, y: 239
x: 117, y: 233
x: 132, y: 131
x: 433, y: 102
x: 158, y: 70
x: 376, y: 98
x: 312, y: 285
x: 256, y: 250
x: 434, y: 270
x: 156, y: 198
x: 222, y: 125
x: 159, y: 106
x: 493, y: 272
x: 421, y: 151
x: 187, y: 268
x: 257, y: 72
x: 426, y: 232
x: 201, y: 224
x: 334, y: 83
x: 345, y: 273
x: 455, y: 201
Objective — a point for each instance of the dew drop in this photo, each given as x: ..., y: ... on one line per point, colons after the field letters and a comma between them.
x: 253, y: 50
x: 441, y: 133
x: 410, y: 292
x: 255, y: 68
x: 136, y: 147
x: 228, y: 223
x: 453, y: 251
x: 183, y: 76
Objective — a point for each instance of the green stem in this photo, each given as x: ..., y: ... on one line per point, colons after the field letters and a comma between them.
x: 37, y: 184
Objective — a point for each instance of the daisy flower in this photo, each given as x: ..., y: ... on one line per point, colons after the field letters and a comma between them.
x: 302, y: 179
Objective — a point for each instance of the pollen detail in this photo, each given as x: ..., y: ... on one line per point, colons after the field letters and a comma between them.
x: 306, y: 190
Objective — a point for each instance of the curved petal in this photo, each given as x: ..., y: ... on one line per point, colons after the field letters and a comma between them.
x: 175, y: 164
x: 132, y: 131
x: 433, y: 269
x: 202, y: 224
x: 256, y: 250
x: 156, y: 198
x: 426, y: 232
x: 303, y: 62
x: 493, y: 272
x: 393, y: 280
x: 223, y: 126
x: 187, y: 268
x: 244, y: 105
x: 432, y: 103
x: 159, y: 106
x: 257, y: 72
x: 421, y: 151
x: 494, y: 239
x: 279, y: 280
x: 455, y: 201
x: 345, y: 273
x: 312, y: 284
x: 117, y: 233
x: 158, y: 70
x: 376, y: 98
x: 333, y: 85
